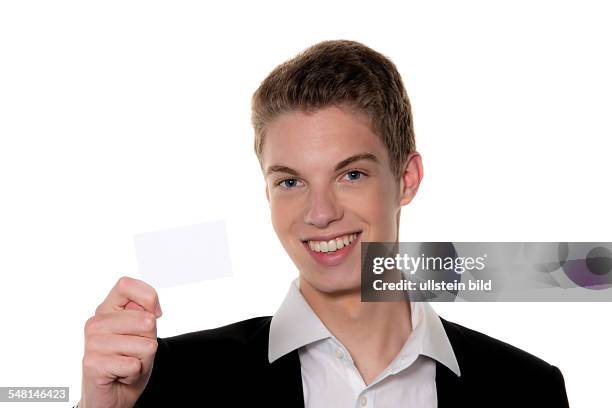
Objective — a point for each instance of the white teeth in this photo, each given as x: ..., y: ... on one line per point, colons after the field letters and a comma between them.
x: 333, y: 244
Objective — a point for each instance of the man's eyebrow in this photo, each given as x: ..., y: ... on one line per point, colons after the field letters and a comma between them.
x: 342, y: 164
x: 354, y: 158
x: 281, y: 169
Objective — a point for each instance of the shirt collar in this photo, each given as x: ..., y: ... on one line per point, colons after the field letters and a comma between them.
x: 295, y: 324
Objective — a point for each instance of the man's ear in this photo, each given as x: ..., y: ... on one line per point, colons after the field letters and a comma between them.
x: 411, y: 178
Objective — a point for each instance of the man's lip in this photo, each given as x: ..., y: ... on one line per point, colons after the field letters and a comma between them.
x: 328, y: 237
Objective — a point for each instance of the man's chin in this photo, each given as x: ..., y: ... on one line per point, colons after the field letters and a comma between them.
x: 333, y: 285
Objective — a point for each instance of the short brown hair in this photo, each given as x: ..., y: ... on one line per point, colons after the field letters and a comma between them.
x: 339, y: 72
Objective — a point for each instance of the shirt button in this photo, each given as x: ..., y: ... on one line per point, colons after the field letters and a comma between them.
x: 339, y: 353
x: 363, y: 400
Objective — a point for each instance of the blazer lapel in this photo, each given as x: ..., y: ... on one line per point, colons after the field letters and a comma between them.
x: 448, y: 388
x: 286, y: 376
x: 280, y: 381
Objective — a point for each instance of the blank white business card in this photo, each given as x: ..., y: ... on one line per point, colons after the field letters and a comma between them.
x: 183, y: 255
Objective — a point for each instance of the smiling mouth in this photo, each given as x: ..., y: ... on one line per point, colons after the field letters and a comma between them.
x: 333, y: 245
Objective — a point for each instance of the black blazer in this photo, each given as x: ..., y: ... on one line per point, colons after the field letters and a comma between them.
x: 228, y: 367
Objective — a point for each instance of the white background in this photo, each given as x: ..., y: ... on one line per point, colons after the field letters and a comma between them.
x: 120, y: 117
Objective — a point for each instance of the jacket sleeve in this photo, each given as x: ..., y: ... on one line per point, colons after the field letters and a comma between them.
x: 160, y: 390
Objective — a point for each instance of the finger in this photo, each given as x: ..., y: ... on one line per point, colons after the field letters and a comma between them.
x: 112, y: 368
x: 142, y: 348
x: 128, y: 290
x: 130, y: 322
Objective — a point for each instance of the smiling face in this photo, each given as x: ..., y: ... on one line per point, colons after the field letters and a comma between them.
x: 329, y: 185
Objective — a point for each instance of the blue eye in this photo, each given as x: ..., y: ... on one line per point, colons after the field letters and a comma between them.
x: 284, y: 184
x: 356, y: 173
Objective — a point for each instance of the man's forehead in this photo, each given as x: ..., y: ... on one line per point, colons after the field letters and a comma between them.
x: 321, y: 140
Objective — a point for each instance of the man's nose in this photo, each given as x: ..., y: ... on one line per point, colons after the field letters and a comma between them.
x: 323, y: 208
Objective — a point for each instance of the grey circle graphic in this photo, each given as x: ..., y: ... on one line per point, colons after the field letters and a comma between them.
x: 599, y: 260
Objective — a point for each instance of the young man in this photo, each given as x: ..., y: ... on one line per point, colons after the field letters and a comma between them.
x: 335, y: 141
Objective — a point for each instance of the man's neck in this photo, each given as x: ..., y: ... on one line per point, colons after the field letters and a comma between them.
x: 372, y: 332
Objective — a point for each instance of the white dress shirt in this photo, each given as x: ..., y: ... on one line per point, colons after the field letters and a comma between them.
x: 329, y: 376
